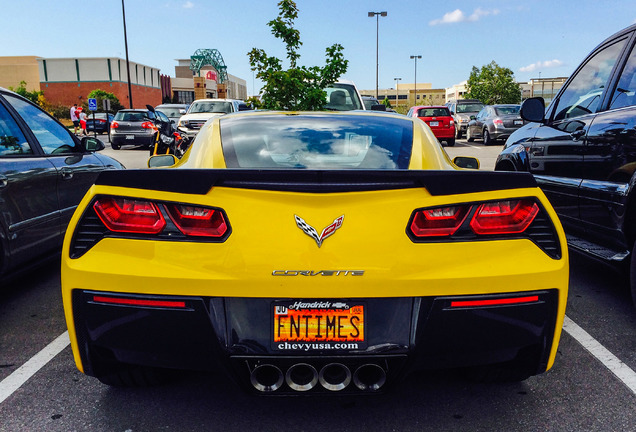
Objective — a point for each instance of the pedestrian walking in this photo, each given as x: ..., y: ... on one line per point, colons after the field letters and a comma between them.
x: 75, y: 118
x: 82, y: 120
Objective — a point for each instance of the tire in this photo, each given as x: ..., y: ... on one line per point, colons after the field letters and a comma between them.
x: 632, y: 274
x: 115, y: 146
x: 458, y: 133
x: 450, y: 142
x: 487, y: 139
x: 469, y: 136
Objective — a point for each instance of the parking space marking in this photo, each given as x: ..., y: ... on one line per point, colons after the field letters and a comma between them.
x: 609, y: 360
x: 14, y: 381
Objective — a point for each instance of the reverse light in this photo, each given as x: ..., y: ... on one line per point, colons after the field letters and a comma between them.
x: 198, y: 221
x: 438, y: 222
x: 504, y: 217
x: 129, y: 215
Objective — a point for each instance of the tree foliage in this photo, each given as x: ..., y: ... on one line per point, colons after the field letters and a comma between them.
x: 35, y: 96
x: 100, y: 95
x: 299, y: 87
x: 493, y: 84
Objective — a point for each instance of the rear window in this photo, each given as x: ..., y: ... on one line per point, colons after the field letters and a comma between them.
x: 132, y: 116
x: 342, y: 97
x: 317, y: 142
x: 509, y: 110
x: 469, y: 107
x: 434, y: 112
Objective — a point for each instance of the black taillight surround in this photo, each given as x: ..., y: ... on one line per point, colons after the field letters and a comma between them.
x: 541, y: 231
x: 90, y: 229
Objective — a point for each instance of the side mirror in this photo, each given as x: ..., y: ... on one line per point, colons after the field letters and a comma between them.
x: 378, y: 107
x: 466, y: 162
x: 533, y: 109
x: 150, y: 108
x: 162, y: 161
x: 244, y: 107
x: 472, y: 117
x: 92, y: 144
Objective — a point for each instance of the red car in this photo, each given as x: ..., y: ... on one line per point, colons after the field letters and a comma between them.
x: 439, y: 119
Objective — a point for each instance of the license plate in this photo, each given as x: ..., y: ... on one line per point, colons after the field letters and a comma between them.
x: 304, y: 325
x: 434, y: 123
x: 518, y: 122
x: 130, y: 137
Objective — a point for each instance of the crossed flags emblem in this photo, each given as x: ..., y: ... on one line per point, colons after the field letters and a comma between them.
x: 311, y: 231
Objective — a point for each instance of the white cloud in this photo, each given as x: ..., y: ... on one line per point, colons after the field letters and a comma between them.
x: 458, y: 16
x: 188, y: 5
x: 541, y: 65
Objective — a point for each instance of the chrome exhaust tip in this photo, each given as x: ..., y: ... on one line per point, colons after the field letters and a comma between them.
x: 369, y: 377
x: 266, y: 378
x: 334, y: 376
x: 301, y: 377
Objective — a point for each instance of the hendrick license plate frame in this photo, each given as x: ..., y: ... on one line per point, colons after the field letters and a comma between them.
x: 318, y: 325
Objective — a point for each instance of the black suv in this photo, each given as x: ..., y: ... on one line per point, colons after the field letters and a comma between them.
x: 582, y: 151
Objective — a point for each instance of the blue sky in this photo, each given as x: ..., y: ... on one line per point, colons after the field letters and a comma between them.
x: 529, y: 37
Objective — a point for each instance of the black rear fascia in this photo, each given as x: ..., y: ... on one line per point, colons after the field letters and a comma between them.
x: 200, y: 181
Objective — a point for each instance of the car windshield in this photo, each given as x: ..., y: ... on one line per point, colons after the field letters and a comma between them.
x: 433, y: 112
x: 507, y: 110
x: 133, y: 116
x: 210, y: 107
x: 317, y: 142
x: 466, y: 108
x: 171, y: 112
x: 368, y: 103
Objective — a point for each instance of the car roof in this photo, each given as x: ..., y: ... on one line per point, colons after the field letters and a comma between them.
x: 217, y: 100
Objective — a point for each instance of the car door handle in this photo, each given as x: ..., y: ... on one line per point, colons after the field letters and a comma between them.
x: 4, y: 181
x: 66, y: 173
x: 577, y: 134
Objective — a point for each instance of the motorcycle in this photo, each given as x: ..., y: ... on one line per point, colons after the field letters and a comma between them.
x: 182, y: 145
x: 167, y: 139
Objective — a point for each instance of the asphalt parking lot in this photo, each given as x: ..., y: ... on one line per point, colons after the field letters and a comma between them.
x: 592, y: 386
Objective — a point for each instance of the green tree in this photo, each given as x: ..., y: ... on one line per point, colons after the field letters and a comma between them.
x: 299, y: 87
x: 35, y: 96
x: 100, y: 95
x: 493, y: 84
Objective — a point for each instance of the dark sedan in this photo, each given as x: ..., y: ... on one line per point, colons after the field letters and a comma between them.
x: 44, y: 173
x: 494, y: 123
x: 98, y: 122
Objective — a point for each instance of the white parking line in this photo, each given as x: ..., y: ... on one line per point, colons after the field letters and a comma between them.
x: 609, y: 360
x: 14, y: 381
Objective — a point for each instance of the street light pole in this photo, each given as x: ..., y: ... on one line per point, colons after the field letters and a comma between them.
x: 415, y: 95
x: 377, y: 39
x: 123, y: 11
x: 396, y: 90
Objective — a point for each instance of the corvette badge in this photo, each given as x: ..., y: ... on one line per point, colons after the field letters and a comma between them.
x: 311, y: 231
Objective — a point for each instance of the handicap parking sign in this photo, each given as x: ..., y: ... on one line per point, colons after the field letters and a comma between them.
x: 92, y: 104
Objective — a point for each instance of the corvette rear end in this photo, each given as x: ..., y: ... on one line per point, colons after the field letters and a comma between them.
x: 308, y: 281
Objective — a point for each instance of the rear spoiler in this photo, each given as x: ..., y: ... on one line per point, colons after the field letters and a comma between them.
x: 200, y: 181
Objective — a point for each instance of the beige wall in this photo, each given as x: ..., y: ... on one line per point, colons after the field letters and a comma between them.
x: 13, y: 70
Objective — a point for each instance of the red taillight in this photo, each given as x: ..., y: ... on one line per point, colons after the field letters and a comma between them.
x: 504, y: 217
x: 139, y: 302
x: 101, y: 121
x: 442, y: 221
x: 114, y: 125
x: 197, y: 221
x: 495, y: 302
x: 129, y: 215
x: 148, y: 125
x: 497, y: 122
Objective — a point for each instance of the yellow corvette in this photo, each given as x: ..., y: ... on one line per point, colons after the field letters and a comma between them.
x: 314, y: 252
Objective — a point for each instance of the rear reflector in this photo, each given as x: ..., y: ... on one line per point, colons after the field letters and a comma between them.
x: 495, y: 302
x: 441, y: 221
x: 197, y: 221
x: 504, y: 217
x: 139, y: 302
x: 129, y: 215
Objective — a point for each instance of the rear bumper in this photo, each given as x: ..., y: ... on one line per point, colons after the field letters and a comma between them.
x: 235, y: 334
x: 120, y: 139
